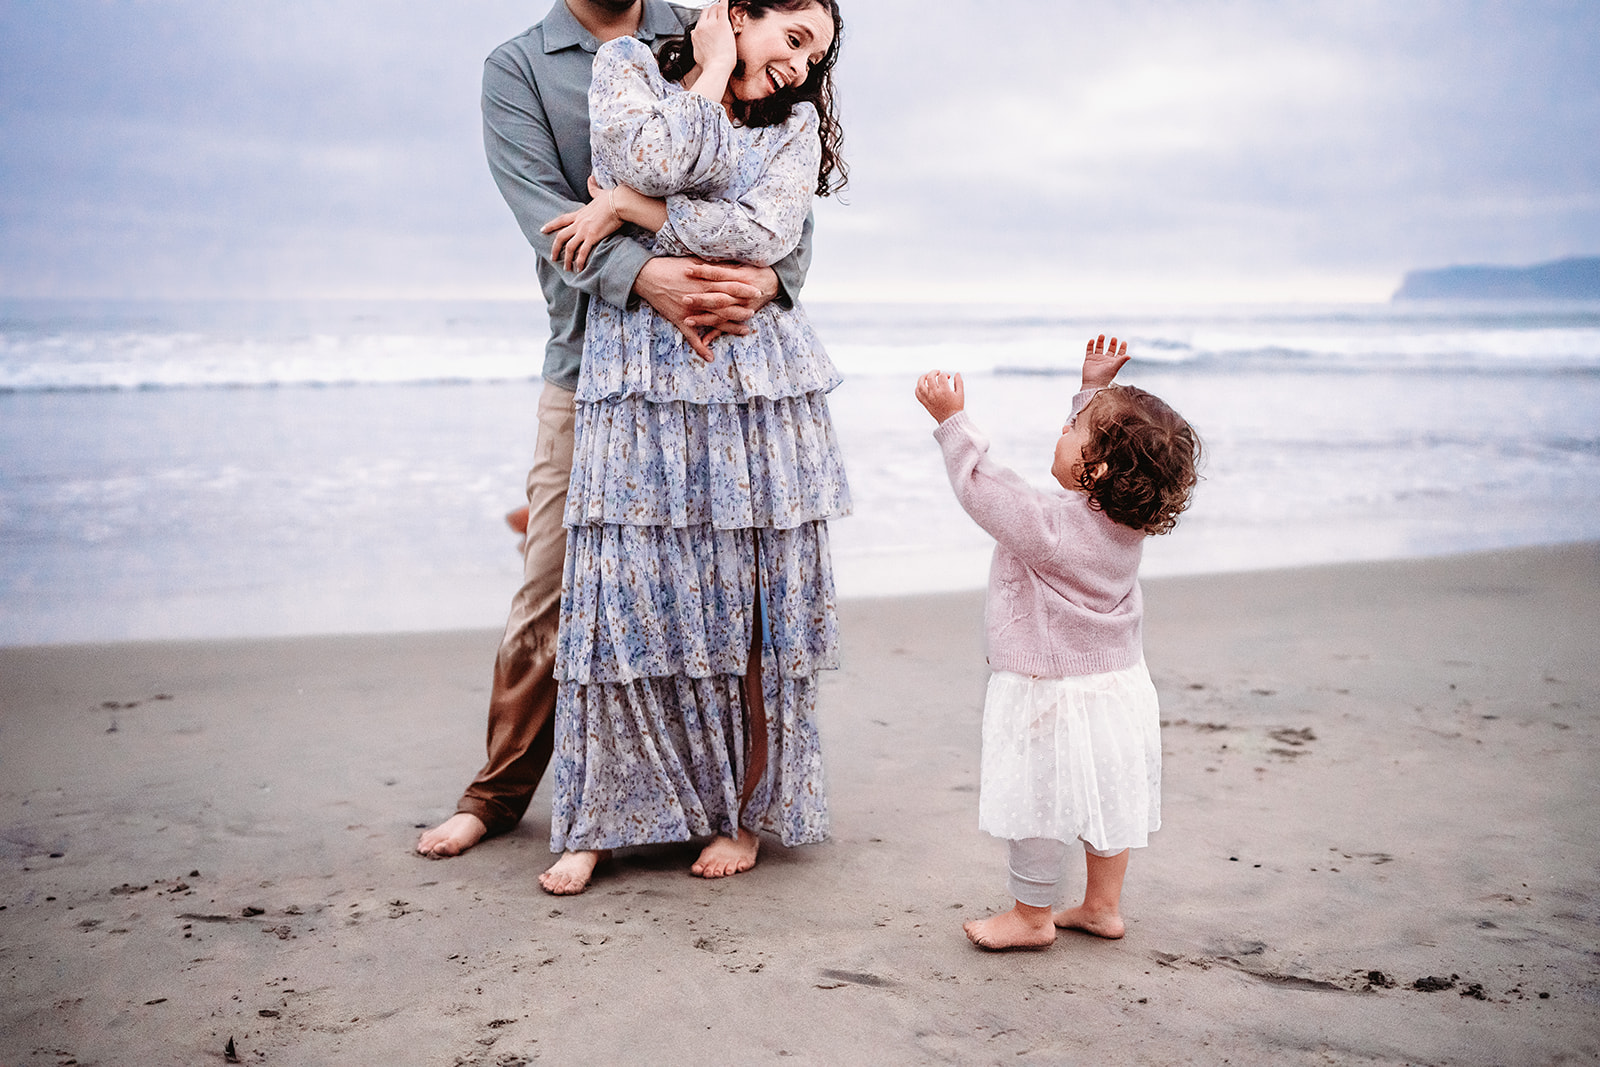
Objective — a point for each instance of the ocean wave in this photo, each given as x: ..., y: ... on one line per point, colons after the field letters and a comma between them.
x: 141, y: 361
x: 393, y: 351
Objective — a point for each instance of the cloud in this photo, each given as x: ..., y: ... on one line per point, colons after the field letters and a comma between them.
x: 227, y: 147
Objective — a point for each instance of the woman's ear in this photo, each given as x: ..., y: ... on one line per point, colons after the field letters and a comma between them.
x: 736, y: 17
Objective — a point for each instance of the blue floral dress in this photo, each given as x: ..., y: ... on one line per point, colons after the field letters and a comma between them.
x: 697, y: 512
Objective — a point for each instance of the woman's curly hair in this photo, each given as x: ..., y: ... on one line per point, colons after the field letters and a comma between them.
x: 1141, y: 462
x: 675, y: 57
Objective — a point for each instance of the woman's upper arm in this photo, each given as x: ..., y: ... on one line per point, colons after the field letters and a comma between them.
x: 764, y: 223
x: 650, y: 138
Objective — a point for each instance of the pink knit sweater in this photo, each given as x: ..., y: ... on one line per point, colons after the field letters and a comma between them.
x: 1064, y: 594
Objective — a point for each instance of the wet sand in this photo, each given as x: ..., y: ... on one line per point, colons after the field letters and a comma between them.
x: 1380, y: 848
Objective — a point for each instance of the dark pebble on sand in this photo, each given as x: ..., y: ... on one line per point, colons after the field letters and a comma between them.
x: 253, y: 911
x: 57, y: 855
x: 267, y: 1013
x: 229, y: 1053
x: 1433, y: 983
x: 1544, y: 996
x: 1379, y: 980
x: 1475, y: 991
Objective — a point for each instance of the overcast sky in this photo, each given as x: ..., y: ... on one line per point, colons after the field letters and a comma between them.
x: 1036, y: 149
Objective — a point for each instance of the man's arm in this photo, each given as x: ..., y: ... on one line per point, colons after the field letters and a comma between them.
x: 720, y: 297
x: 791, y: 270
x: 521, y: 148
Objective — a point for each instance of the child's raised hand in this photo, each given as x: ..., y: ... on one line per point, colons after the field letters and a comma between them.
x: 1101, y: 362
x: 942, y: 396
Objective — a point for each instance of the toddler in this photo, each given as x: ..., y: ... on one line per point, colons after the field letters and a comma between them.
x: 1071, y: 731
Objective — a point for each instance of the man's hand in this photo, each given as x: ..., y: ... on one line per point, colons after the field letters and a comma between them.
x: 1102, y: 361
x: 941, y: 396
x: 705, y: 300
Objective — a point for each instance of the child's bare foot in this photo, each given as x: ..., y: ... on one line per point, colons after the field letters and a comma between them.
x: 452, y: 837
x: 727, y: 855
x: 1107, y: 924
x: 570, y: 874
x: 1024, y: 926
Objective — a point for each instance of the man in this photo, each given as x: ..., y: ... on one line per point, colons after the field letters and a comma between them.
x: 536, y: 134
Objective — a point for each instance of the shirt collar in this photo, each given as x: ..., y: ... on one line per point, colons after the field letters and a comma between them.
x: 563, y: 30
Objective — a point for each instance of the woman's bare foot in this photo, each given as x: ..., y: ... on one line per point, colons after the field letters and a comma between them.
x: 1107, y: 924
x: 452, y: 837
x: 727, y: 855
x: 1024, y: 926
x: 570, y: 874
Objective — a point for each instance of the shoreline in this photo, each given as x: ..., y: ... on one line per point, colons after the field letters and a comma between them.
x: 1376, y: 768
x: 961, y: 572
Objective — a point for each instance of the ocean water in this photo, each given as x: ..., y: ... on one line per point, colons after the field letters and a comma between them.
x: 220, y: 470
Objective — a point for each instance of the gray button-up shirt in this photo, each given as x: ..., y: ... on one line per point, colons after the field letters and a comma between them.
x: 536, y: 134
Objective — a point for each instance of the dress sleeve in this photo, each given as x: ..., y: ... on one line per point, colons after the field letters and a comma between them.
x: 649, y: 139
x: 765, y: 223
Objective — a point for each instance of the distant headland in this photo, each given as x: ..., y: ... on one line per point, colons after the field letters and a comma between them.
x: 1577, y: 278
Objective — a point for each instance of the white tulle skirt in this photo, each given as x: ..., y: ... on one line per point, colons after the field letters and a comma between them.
x: 1071, y: 758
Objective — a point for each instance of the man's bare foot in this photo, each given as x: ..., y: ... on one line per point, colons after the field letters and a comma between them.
x: 452, y: 837
x: 727, y: 855
x: 1024, y: 926
x: 570, y: 874
x: 1107, y: 924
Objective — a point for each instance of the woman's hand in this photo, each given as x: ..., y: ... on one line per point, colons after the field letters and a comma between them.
x: 941, y: 396
x: 630, y: 205
x: 577, y: 232
x: 1102, y: 361
x: 716, y: 51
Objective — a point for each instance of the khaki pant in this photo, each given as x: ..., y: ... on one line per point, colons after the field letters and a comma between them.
x: 523, y: 701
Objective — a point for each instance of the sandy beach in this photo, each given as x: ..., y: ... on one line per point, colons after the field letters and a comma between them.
x: 1379, y: 848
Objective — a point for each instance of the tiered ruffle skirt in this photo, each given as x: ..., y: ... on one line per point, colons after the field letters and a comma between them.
x: 696, y: 518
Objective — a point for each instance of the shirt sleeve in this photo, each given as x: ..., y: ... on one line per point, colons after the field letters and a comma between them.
x: 1008, y: 508
x: 521, y: 149
x: 793, y: 268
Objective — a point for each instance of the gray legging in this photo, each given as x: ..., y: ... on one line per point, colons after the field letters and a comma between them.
x: 1036, y: 867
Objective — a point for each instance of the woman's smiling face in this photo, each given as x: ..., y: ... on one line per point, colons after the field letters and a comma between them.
x: 776, y: 52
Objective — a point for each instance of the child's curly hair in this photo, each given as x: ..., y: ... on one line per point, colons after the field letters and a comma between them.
x: 1141, y: 462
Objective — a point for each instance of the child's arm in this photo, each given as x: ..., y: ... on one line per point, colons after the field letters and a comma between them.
x: 1008, y: 508
x: 940, y: 396
x: 1102, y: 361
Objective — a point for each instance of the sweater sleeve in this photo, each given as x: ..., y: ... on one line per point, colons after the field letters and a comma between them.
x: 1008, y: 508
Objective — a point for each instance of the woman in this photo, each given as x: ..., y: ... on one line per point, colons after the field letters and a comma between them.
x: 697, y: 604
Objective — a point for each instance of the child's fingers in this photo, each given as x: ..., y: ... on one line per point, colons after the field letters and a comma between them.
x: 959, y: 387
